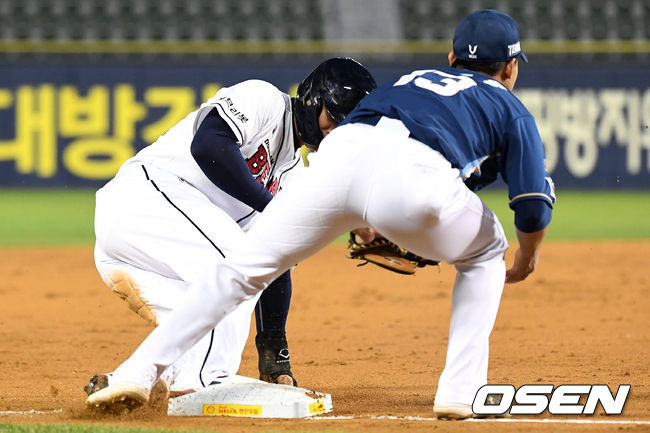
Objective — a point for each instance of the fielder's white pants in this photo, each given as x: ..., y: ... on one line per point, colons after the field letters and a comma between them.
x: 162, y: 234
x: 362, y: 175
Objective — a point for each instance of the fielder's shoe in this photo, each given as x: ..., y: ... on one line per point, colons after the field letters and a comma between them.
x: 456, y: 411
x: 97, y: 382
x: 453, y: 411
x: 118, y: 399
x: 123, y: 398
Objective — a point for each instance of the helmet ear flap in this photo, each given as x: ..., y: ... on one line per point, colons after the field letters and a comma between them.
x: 307, y: 108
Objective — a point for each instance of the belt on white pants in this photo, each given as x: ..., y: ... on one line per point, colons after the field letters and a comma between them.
x: 394, y: 125
x: 388, y: 124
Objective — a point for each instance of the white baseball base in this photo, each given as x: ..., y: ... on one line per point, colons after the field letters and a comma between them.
x: 247, y: 397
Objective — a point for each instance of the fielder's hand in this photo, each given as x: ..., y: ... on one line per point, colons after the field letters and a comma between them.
x: 526, y: 257
x: 522, y: 267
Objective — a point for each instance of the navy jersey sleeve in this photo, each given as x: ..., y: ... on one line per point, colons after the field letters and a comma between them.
x: 524, y: 170
x: 215, y: 150
x: 526, y: 176
x: 532, y: 215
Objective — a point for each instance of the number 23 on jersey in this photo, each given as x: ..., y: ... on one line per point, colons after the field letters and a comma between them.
x: 447, y: 85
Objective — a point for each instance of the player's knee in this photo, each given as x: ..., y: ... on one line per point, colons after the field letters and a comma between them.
x: 125, y: 287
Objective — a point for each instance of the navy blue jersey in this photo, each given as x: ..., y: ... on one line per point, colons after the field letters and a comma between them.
x: 474, y: 121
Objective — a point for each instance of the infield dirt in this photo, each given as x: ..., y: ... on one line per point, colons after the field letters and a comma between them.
x: 374, y: 340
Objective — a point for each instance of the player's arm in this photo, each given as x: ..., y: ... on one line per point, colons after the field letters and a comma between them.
x: 531, y: 194
x: 216, y: 151
x: 531, y: 222
x: 271, y: 311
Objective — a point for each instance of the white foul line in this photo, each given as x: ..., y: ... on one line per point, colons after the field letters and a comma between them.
x: 561, y: 421
x: 30, y: 412
x: 513, y: 420
x: 402, y: 418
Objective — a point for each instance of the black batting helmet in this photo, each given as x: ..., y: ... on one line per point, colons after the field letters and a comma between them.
x: 338, y: 84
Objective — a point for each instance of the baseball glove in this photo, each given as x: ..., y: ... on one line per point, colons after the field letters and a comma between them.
x: 388, y: 255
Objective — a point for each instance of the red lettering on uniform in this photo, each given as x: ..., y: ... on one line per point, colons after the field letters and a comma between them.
x: 259, y: 161
x: 273, y: 188
x: 264, y: 174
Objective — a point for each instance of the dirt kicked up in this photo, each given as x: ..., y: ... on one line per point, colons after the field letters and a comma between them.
x: 374, y: 340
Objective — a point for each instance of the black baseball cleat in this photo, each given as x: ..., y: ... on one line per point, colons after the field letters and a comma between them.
x: 97, y: 382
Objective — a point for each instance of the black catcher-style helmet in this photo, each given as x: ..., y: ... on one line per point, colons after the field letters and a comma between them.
x: 338, y: 84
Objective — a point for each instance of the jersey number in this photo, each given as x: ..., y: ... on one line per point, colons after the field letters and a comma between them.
x: 451, y: 84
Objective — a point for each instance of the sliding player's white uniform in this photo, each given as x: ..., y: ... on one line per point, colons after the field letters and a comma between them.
x: 161, y: 222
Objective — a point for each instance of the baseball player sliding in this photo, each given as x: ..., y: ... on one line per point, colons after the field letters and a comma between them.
x: 405, y: 162
x: 183, y: 203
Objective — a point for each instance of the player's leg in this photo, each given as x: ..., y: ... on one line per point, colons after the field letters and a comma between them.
x: 475, y: 302
x: 149, y: 223
x: 297, y: 223
x: 271, y: 313
x: 155, y: 221
x: 153, y: 296
x: 441, y: 219
x: 471, y: 238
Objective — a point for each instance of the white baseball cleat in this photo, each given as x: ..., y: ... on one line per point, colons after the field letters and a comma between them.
x: 453, y: 411
x: 118, y: 398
